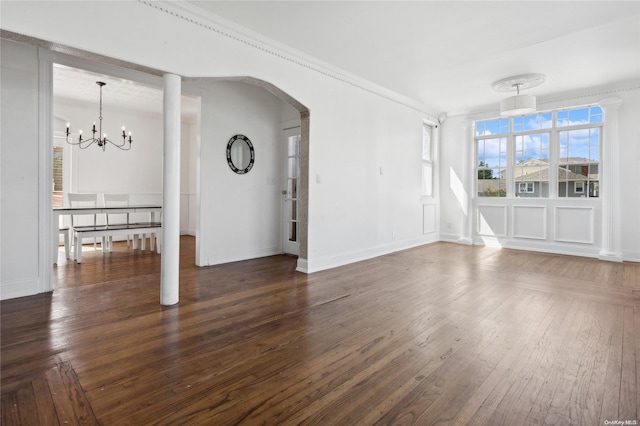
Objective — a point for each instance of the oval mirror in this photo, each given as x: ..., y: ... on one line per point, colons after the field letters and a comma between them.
x: 240, y: 154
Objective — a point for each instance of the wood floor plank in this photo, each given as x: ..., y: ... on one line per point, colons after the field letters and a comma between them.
x: 45, y: 407
x: 627, y: 409
x: 10, y: 408
x: 611, y: 398
x: 439, y: 334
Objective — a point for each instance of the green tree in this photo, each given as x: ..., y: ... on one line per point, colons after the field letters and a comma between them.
x: 484, y: 174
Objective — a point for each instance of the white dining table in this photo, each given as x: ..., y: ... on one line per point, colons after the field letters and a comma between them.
x: 59, y: 211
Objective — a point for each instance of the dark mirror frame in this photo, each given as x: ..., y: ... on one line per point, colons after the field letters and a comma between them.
x: 251, y: 151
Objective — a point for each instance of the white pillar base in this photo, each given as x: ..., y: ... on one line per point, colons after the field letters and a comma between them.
x: 610, y: 256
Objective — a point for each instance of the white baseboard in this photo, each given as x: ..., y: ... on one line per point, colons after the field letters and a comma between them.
x: 235, y: 256
x: 329, y: 262
x: 20, y: 288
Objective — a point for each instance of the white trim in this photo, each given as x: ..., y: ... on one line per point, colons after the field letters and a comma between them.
x: 328, y: 262
x: 590, y: 237
x: 302, y: 266
x: 515, y: 220
x: 209, y: 21
x: 45, y: 158
x: 503, y: 232
x: 227, y: 256
x: 21, y: 288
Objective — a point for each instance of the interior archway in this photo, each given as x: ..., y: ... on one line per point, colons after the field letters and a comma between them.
x: 219, y: 101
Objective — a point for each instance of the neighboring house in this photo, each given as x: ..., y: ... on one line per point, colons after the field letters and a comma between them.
x: 577, y: 177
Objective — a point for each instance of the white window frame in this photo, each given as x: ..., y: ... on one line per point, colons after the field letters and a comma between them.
x: 554, y: 131
x: 428, y: 142
x: 582, y: 187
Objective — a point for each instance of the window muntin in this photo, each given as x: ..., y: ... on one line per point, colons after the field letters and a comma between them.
x: 552, y: 150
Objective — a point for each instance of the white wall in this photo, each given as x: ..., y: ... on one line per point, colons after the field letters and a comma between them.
x: 364, y: 148
x: 569, y: 226
x: 629, y: 168
x: 20, y: 272
x: 242, y: 212
x: 138, y: 170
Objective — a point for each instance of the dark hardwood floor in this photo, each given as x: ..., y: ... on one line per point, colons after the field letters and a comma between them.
x: 440, y: 334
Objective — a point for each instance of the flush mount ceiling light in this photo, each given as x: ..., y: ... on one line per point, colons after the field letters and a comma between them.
x: 519, y: 104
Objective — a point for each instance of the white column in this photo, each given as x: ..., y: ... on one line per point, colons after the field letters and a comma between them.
x: 170, y: 261
x: 610, y: 182
x: 468, y: 152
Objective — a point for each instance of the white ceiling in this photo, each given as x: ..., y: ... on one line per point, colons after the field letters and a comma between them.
x: 443, y: 54
x: 446, y: 54
x: 78, y: 85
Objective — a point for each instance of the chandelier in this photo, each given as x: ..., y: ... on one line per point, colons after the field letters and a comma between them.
x: 101, y: 140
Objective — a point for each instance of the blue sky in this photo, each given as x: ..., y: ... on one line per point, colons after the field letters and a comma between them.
x: 573, y: 143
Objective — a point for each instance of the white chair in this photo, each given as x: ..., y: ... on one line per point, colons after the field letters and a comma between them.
x: 82, y: 220
x: 65, y: 232
x: 116, y: 200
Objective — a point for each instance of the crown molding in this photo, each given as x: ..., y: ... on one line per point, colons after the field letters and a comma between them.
x: 226, y: 28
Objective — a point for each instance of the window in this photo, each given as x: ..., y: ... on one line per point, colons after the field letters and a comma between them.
x: 58, y: 169
x: 427, y: 160
x: 526, y: 187
x: 547, y: 154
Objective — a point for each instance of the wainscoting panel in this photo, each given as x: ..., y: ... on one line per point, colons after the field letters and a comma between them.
x: 429, y: 218
x: 530, y: 222
x: 492, y: 220
x: 573, y: 224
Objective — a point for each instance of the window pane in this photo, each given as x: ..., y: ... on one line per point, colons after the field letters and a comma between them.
x: 531, y: 170
x: 579, y: 158
x: 532, y: 122
x: 427, y: 137
x: 492, y: 160
x: 492, y: 188
x: 596, y: 114
x: 58, y: 167
x: 576, y: 116
x: 293, y: 167
x: 563, y: 118
x: 492, y: 127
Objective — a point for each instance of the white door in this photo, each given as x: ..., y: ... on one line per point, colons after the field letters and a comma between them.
x: 291, y: 234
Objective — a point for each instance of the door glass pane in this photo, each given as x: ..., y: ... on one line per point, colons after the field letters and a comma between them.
x: 293, y: 149
x: 293, y: 167
x: 293, y: 231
